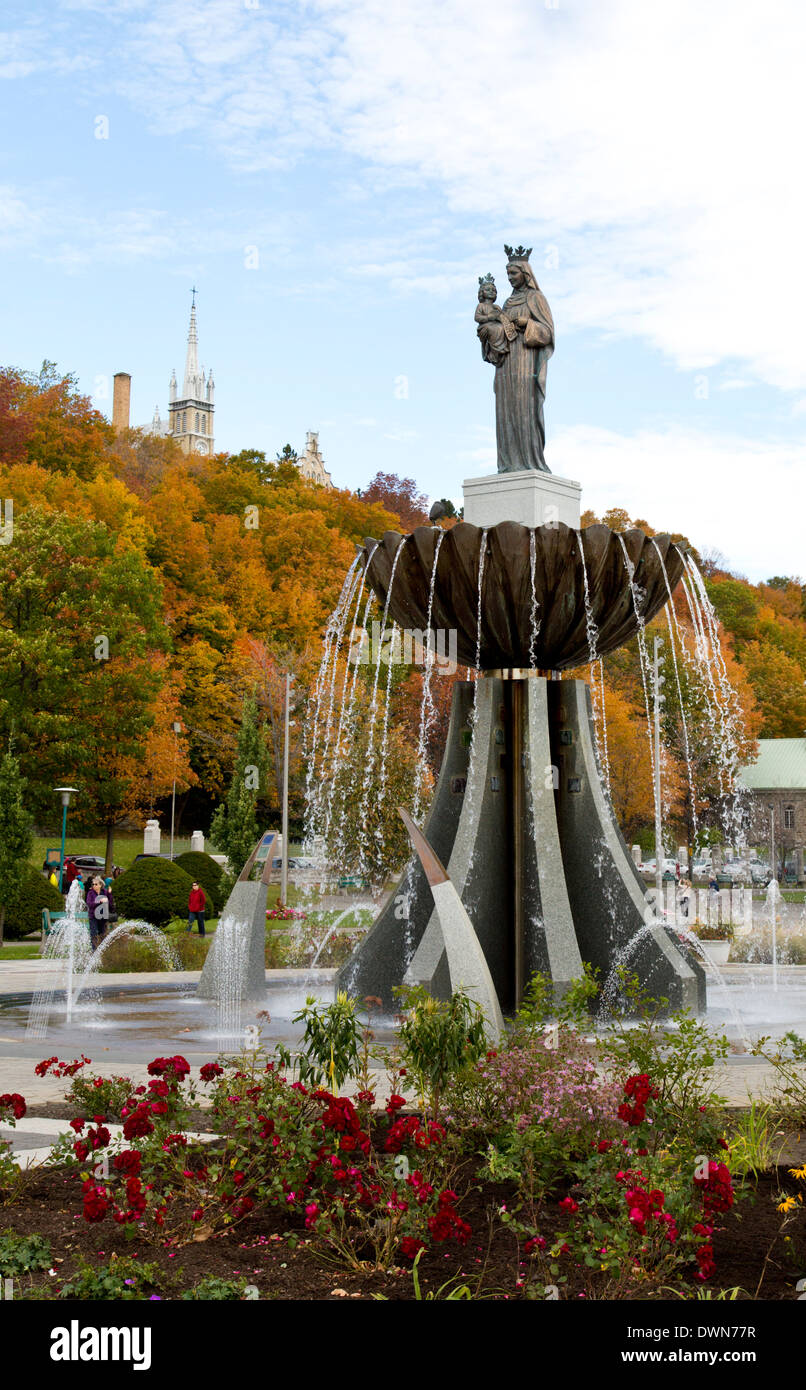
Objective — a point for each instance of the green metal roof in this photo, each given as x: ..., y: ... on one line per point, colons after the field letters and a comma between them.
x: 781, y: 765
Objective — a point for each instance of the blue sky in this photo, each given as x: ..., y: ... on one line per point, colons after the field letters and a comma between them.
x: 373, y: 157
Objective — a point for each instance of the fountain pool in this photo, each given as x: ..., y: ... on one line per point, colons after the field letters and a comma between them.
x: 134, y: 1022
x: 130, y: 1023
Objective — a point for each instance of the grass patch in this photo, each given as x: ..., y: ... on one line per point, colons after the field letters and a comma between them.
x: 19, y: 950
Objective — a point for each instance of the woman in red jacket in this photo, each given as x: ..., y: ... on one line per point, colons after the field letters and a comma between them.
x: 196, y: 905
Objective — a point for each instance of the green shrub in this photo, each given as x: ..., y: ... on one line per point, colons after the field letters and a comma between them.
x: 439, y: 1038
x: 230, y: 1290
x: 132, y: 955
x: 204, y: 870
x: 24, y: 915
x: 89, y: 1099
x: 191, y: 948
x: 121, y: 1278
x: 757, y: 949
x: 22, y: 1254
x: 153, y: 890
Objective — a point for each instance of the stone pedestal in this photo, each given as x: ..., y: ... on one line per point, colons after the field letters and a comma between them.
x: 521, y: 822
x: 197, y: 841
x: 151, y: 837
x: 533, y: 499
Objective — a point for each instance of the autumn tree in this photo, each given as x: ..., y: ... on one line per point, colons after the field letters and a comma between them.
x: 79, y: 619
x: 44, y: 419
x: 16, y: 832
x: 142, y: 771
x: 400, y: 496
x: 234, y: 828
x: 364, y: 786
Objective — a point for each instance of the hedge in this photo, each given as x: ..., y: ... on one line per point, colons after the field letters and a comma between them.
x: 24, y: 915
x: 204, y: 870
x: 152, y: 890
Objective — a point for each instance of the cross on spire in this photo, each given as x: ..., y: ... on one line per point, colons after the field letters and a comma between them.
x: 193, y: 292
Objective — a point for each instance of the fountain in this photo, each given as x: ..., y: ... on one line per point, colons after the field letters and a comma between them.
x: 519, y: 842
x: 72, y: 964
x: 520, y: 817
x: 67, y: 949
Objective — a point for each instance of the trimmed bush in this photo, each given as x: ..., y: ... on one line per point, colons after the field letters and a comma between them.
x: 153, y: 890
x: 128, y: 955
x: 204, y: 870
x: 25, y: 914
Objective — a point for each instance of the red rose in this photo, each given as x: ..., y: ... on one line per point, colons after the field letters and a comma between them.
x: 14, y: 1102
x: 129, y: 1162
x: 138, y: 1124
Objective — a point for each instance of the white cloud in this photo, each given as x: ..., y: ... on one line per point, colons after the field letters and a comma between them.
x: 38, y: 46
x: 742, y: 497
x: 656, y: 147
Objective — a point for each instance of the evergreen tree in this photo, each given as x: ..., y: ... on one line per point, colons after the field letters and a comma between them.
x: 234, y: 829
x: 16, y: 835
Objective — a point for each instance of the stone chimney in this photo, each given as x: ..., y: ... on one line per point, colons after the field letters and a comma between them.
x: 121, y: 401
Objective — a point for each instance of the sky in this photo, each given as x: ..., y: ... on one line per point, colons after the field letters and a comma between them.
x: 334, y: 175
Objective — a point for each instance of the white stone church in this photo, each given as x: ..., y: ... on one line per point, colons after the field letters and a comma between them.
x: 190, y: 414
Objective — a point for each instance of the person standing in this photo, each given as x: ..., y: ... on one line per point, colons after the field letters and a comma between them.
x: 684, y: 899
x: 97, y: 911
x: 197, y: 903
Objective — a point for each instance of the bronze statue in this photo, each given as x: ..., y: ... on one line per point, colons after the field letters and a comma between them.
x: 495, y: 330
x: 518, y: 340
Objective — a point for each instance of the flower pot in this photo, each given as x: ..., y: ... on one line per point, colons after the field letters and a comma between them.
x: 717, y: 951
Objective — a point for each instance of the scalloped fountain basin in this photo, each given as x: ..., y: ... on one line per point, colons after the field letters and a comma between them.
x: 515, y: 576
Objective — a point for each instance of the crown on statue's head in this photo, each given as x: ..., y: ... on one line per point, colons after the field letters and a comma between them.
x: 520, y: 253
x: 486, y: 280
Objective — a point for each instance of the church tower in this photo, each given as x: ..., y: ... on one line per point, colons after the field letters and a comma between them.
x: 191, y: 414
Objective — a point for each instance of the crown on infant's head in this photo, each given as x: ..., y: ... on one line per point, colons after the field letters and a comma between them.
x: 486, y: 280
x: 521, y: 253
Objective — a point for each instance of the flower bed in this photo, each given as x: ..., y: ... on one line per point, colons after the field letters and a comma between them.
x: 526, y: 1172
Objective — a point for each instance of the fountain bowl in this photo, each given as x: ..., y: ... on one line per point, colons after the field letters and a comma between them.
x: 496, y: 625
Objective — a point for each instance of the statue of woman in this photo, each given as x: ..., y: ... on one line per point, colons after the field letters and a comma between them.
x: 520, y: 373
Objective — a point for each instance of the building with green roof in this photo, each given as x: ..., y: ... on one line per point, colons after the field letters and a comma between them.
x: 776, y: 782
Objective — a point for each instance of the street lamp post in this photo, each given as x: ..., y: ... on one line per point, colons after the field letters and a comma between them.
x: 177, y: 728
x: 773, y: 901
x: 65, y: 793
x: 284, y: 867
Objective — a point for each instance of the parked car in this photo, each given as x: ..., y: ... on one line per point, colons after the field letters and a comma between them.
x: 668, y: 866
x: 88, y: 864
x: 735, y: 871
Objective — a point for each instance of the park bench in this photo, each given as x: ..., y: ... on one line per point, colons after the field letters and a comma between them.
x: 352, y: 881
x: 50, y: 921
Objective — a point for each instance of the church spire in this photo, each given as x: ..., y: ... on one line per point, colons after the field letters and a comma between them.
x: 191, y: 416
x: 189, y: 391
